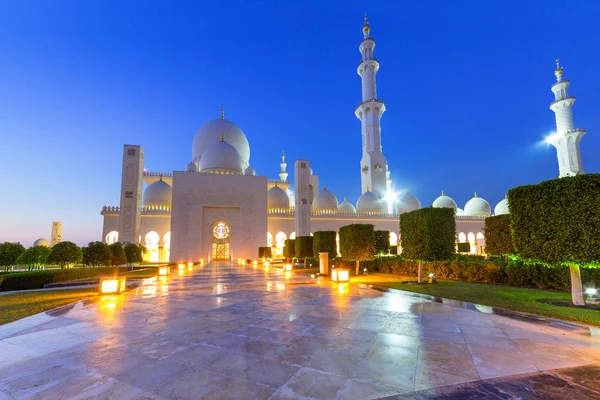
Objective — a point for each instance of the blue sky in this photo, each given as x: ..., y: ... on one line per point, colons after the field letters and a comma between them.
x: 466, y: 86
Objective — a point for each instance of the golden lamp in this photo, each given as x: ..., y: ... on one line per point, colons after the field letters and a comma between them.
x: 112, y: 285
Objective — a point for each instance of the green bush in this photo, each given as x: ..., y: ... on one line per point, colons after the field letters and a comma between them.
x: 394, y: 250
x: 557, y: 222
x: 464, y: 247
x: 324, y: 241
x: 9, y: 253
x: 304, y: 246
x: 38, y: 279
x: 498, y: 240
x: 289, y: 249
x: 382, y: 242
x: 134, y: 253
x: 117, y: 254
x: 64, y: 254
x: 264, y: 252
x: 97, y: 254
x: 357, y: 243
x: 34, y: 256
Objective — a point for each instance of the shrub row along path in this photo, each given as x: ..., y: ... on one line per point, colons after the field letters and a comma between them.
x: 225, y: 331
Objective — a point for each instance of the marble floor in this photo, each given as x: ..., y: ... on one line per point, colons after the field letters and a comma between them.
x: 230, y: 332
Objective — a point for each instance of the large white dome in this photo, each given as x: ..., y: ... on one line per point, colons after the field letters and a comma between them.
x: 369, y: 203
x: 277, y: 198
x: 42, y: 242
x: 211, y: 132
x: 444, y: 202
x: 346, y: 207
x: 406, y: 203
x: 478, y: 207
x: 501, y: 207
x: 221, y: 157
x: 325, y: 201
x: 158, y: 193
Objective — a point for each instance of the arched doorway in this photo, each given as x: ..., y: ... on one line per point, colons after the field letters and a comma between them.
x: 220, y: 242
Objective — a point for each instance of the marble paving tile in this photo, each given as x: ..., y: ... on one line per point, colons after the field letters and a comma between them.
x: 111, y: 389
x: 356, y: 389
x: 270, y: 373
x: 443, y: 335
x: 316, y: 384
x: 492, y: 362
x: 400, y: 375
x: 426, y: 379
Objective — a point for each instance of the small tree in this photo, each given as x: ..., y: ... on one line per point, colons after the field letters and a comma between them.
x: 289, y: 249
x: 427, y: 234
x: 498, y: 240
x: 9, y: 253
x: 557, y: 222
x: 264, y: 252
x: 133, y: 254
x: 325, y: 241
x: 382, y: 242
x: 117, y: 253
x: 357, y: 243
x: 34, y: 257
x: 98, y: 254
x: 65, y: 254
x: 304, y: 247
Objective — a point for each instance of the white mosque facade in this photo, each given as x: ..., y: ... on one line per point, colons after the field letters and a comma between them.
x: 218, y: 208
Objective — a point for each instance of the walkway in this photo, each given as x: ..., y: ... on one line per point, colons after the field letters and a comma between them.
x: 226, y: 331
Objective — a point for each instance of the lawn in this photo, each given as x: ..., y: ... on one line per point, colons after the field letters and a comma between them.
x: 511, y: 298
x: 20, y: 305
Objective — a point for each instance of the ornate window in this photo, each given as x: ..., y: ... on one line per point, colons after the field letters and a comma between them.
x: 221, y: 231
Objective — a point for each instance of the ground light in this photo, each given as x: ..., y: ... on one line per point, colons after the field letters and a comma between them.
x: 288, y: 267
x: 112, y: 285
x: 267, y: 264
x: 181, y: 267
x: 163, y: 271
x: 190, y: 264
x: 340, y: 275
x: 591, y: 291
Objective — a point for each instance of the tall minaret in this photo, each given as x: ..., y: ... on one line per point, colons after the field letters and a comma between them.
x: 369, y: 111
x: 283, y: 165
x: 566, y: 139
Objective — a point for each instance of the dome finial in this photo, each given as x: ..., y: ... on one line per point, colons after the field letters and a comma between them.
x: 345, y: 201
x: 160, y: 178
x: 282, y: 156
x: 406, y: 190
x: 443, y: 192
x: 222, y: 136
x: 368, y: 188
x: 275, y: 183
x: 474, y: 194
x: 222, y: 112
x: 559, y: 71
x: 324, y: 187
x: 366, y: 29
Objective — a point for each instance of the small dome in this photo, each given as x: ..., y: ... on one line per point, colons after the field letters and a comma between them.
x: 158, y: 193
x: 406, y: 203
x: 369, y: 203
x: 221, y: 157
x: 250, y: 171
x: 346, y: 207
x: 325, y: 200
x: 191, y: 167
x: 42, y: 242
x: 444, y: 202
x: 460, y: 211
x: 210, y: 133
x: 478, y: 207
x: 501, y: 207
x: 277, y: 198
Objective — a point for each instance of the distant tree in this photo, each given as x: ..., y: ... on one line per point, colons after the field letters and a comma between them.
x: 357, y: 243
x: 304, y: 247
x: 325, y: 242
x: 9, y: 253
x: 118, y: 256
x: 557, y: 222
x: 289, y: 249
x: 382, y: 242
x: 498, y: 239
x: 133, y: 253
x: 428, y: 234
x: 65, y: 254
x: 34, y: 257
x: 98, y: 254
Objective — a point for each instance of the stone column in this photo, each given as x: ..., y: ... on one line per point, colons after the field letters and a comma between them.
x: 324, y: 263
x: 56, y: 233
x: 131, y: 194
x: 302, y: 188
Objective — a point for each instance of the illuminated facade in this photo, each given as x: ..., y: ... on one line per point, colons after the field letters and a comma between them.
x: 218, y: 208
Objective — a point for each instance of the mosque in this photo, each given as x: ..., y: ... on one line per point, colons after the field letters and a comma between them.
x: 219, y: 208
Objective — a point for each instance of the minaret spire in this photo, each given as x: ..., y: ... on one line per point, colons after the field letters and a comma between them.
x: 222, y: 112
x: 567, y: 137
x: 369, y: 111
x: 283, y: 168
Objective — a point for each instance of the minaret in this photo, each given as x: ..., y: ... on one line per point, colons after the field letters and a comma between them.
x: 566, y: 139
x: 369, y: 111
x: 283, y: 165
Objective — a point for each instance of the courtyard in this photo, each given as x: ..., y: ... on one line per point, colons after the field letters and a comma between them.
x: 227, y: 331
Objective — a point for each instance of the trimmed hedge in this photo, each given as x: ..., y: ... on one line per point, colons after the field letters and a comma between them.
x: 498, y: 240
x: 464, y: 247
x: 324, y: 241
x: 357, y: 242
x: 289, y: 249
x: 37, y: 279
x: 478, y: 269
x: 264, y: 252
x: 557, y: 222
x: 428, y: 234
x: 304, y: 246
x: 382, y: 242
